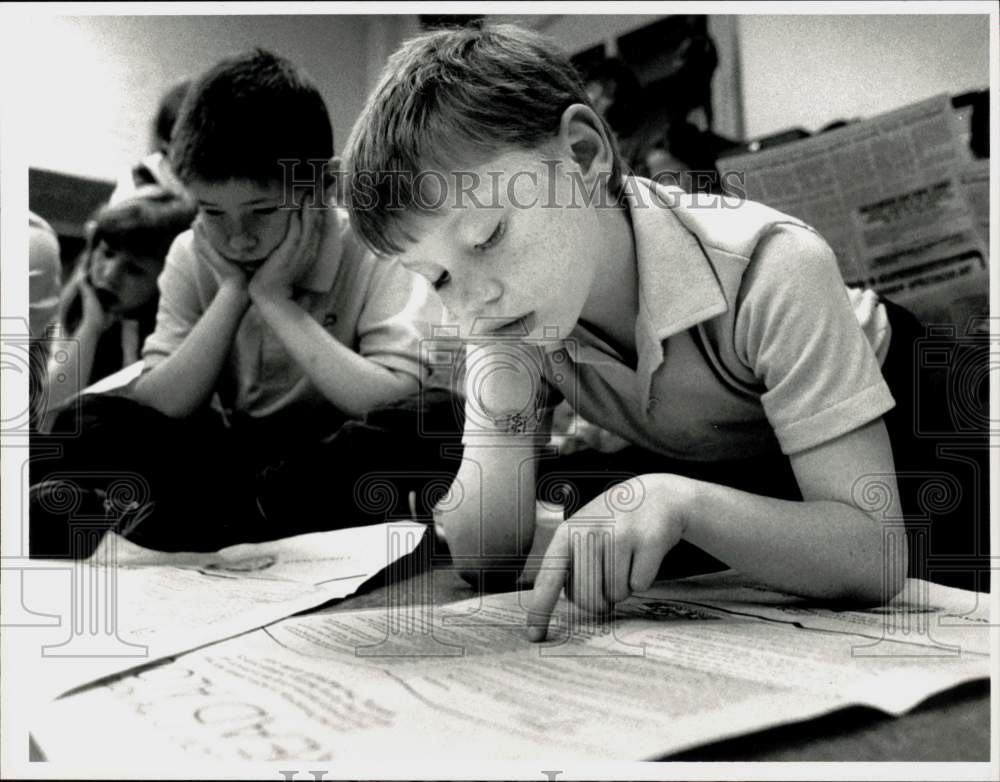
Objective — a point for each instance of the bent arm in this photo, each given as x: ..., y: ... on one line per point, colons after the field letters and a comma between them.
x: 829, y: 545
x: 184, y: 381
x: 797, y: 330
x: 350, y: 381
x: 492, y: 526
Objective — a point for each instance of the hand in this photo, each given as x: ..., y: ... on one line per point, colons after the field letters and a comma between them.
x: 95, y: 318
x: 299, y: 248
x: 601, y: 570
x: 230, y: 274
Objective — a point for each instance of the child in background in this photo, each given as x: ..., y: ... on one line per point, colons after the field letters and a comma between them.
x: 276, y: 329
x: 154, y: 168
x: 717, y: 337
x: 44, y: 272
x: 108, y: 306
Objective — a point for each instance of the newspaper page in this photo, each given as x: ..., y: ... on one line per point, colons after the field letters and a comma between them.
x: 891, y: 197
x: 976, y: 181
x: 687, y: 663
x: 128, y: 606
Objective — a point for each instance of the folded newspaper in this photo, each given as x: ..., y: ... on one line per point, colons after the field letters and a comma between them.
x: 127, y: 606
x: 686, y: 663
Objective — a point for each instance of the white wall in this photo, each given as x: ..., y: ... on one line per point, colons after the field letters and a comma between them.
x: 94, y: 82
x: 576, y: 32
x: 806, y: 71
x: 86, y: 86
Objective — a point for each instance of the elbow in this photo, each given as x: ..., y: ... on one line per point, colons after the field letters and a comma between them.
x: 883, y: 580
x: 893, y: 566
x: 399, y: 386
x: 895, y: 574
x: 879, y: 566
x: 361, y: 404
x: 487, y: 565
x: 141, y: 393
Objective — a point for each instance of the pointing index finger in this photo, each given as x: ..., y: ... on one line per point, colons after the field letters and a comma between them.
x: 548, y: 585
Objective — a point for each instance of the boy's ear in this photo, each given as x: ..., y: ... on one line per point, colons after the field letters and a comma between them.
x: 583, y: 134
x: 329, y: 183
x: 332, y: 180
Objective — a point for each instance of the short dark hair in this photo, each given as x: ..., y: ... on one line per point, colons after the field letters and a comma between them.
x: 455, y: 97
x: 244, y: 115
x: 166, y: 115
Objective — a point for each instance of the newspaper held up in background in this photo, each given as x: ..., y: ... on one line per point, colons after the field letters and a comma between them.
x: 891, y: 195
x: 976, y: 181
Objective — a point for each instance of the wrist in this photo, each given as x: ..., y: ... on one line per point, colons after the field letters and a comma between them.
x: 261, y: 293
x: 256, y: 292
x: 682, y: 495
x: 234, y: 291
x: 91, y: 325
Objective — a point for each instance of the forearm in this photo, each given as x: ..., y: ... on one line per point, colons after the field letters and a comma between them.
x: 821, y: 548
x: 185, y: 380
x: 491, y: 521
x: 351, y: 382
x: 495, y: 518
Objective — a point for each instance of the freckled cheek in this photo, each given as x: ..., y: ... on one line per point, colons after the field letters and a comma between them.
x: 546, y: 262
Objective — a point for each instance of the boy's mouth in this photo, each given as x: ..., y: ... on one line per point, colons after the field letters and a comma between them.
x: 108, y: 300
x: 249, y: 264
x: 244, y: 261
x: 516, y: 327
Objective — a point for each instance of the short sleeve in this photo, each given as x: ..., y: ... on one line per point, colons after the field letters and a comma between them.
x: 397, y: 316
x: 44, y: 271
x: 180, y: 305
x: 797, y: 330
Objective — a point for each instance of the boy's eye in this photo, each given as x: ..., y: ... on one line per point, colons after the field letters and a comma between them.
x: 212, y: 212
x: 441, y: 281
x: 495, y: 237
x: 266, y: 210
x: 105, y: 253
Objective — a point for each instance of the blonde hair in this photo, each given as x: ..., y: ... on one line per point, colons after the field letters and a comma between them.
x: 449, y: 98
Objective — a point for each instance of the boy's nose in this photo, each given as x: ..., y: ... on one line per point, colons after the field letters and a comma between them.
x: 478, y: 295
x: 108, y: 273
x: 242, y: 241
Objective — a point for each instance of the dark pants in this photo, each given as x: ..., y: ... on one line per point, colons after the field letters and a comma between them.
x: 197, y: 484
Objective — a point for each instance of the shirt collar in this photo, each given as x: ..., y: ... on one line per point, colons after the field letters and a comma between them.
x: 678, y: 286
x: 320, y: 274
